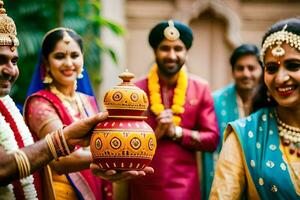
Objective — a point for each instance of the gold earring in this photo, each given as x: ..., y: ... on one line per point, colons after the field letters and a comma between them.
x: 47, y: 79
x: 80, y: 75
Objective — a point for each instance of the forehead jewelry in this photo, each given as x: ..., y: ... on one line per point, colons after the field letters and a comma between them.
x: 171, y: 32
x: 67, y: 38
x: 59, y: 29
x: 277, y: 39
x: 278, y: 51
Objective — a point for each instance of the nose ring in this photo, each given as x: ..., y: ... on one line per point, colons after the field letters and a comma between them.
x: 286, y: 78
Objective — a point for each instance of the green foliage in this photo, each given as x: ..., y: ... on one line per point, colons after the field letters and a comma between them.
x: 34, y: 19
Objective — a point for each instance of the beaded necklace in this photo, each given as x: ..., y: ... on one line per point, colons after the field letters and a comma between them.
x: 68, y: 101
x: 289, y: 135
x: 179, y: 94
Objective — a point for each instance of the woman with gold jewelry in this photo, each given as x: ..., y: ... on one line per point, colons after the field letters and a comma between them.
x: 54, y: 103
x: 261, y: 154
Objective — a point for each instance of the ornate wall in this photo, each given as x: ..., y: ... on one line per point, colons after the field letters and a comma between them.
x: 218, y: 26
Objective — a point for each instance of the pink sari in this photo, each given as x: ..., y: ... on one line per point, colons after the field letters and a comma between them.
x: 85, y: 184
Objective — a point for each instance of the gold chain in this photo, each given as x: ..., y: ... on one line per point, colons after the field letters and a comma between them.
x: 68, y: 101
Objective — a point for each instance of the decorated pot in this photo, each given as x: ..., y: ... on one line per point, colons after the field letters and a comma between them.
x: 124, y: 141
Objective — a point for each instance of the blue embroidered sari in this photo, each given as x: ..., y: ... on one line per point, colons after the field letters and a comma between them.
x: 260, y: 142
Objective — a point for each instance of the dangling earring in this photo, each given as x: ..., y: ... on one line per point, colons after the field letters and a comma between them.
x: 268, y: 96
x: 80, y: 75
x: 47, y: 79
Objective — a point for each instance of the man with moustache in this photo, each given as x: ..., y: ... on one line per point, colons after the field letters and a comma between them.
x: 233, y: 101
x: 182, y: 114
x: 22, y: 160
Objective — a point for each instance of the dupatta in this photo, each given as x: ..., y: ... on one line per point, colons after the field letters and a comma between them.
x: 268, y: 167
x: 84, y: 183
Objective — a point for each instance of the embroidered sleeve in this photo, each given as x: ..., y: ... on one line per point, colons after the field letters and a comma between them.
x: 40, y: 113
x: 230, y: 178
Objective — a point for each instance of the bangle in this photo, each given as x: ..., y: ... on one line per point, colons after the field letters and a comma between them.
x: 19, y: 165
x: 23, y: 163
x: 26, y: 163
x: 178, y: 133
x: 62, y: 136
x: 57, y: 144
x: 51, y: 146
x: 70, y: 148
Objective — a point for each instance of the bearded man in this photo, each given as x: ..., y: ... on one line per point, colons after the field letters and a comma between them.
x: 182, y: 114
x: 22, y: 161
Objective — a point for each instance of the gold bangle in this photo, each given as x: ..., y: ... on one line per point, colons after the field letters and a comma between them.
x: 51, y: 146
x: 22, y: 167
x: 19, y: 165
x: 64, y: 141
x: 61, y: 149
x: 25, y: 162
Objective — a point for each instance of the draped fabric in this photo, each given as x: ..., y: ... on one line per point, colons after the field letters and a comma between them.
x: 37, y: 89
x: 268, y: 165
x: 225, y: 102
x: 84, y: 183
x: 175, y: 164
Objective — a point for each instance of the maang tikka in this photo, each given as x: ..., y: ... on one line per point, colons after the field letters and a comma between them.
x: 277, y: 39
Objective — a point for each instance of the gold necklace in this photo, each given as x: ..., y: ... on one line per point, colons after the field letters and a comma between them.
x: 68, y: 101
x: 58, y: 93
x: 289, y: 135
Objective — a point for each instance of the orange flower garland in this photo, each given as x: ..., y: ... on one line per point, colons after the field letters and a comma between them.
x: 179, y: 94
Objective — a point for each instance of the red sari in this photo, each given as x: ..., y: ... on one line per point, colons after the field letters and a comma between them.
x: 85, y: 184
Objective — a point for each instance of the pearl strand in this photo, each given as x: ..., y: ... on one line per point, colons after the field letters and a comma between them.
x: 290, y: 136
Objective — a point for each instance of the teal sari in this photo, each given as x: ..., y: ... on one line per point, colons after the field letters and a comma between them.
x: 225, y: 102
x: 260, y: 142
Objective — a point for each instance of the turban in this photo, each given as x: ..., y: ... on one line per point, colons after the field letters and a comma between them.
x: 8, y: 30
x: 157, y: 34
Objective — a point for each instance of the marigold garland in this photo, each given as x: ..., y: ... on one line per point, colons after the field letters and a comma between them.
x: 179, y: 94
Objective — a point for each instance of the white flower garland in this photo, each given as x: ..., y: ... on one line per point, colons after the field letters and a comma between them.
x: 10, y: 145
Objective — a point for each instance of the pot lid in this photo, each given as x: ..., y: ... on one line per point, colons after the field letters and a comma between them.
x: 126, y: 99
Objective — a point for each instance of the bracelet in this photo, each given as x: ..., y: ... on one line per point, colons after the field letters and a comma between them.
x: 57, y: 144
x: 26, y: 163
x: 23, y: 163
x: 64, y: 141
x: 19, y: 165
x: 51, y: 146
x: 178, y: 133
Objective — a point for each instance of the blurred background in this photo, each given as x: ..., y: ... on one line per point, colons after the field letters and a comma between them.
x: 115, y: 33
x: 34, y: 18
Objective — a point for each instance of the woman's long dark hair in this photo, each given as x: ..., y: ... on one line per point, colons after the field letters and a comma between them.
x: 261, y: 98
